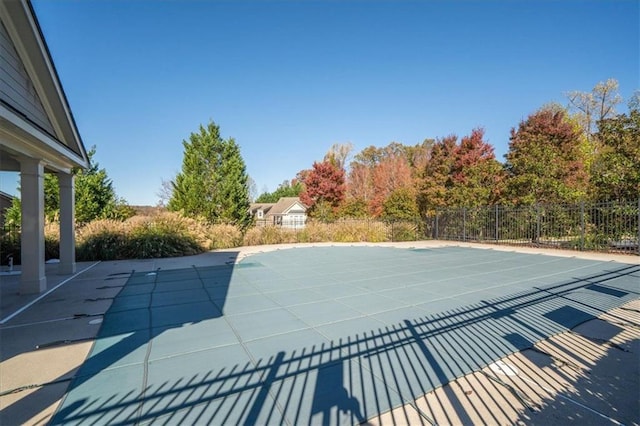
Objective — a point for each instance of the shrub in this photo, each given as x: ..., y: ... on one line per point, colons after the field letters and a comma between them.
x: 52, y: 240
x: 316, y: 232
x: 359, y: 231
x: 169, y: 234
x: 101, y: 240
x: 145, y: 244
x: 143, y: 237
x: 225, y: 236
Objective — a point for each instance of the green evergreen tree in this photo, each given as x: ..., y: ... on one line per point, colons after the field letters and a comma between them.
x: 213, y: 182
x: 95, y: 197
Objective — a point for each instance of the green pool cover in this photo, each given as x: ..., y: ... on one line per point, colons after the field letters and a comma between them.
x: 327, y: 335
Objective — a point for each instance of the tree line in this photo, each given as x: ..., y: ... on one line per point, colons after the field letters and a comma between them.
x: 557, y: 155
x: 585, y: 151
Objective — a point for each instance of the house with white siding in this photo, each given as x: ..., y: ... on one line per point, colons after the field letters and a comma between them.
x: 288, y: 212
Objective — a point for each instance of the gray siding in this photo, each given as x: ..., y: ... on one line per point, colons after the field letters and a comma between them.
x: 16, y: 88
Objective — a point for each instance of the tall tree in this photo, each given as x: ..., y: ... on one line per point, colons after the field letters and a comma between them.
x: 233, y: 186
x: 253, y: 189
x: 369, y: 156
x: 389, y: 175
x: 401, y: 204
x: 615, y: 173
x: 213, y: 180
x: 436, y: 181
x: 165, y: 192
x: 338, y: 154
x: 359, y: 183
x: 546, y: 162
x: 375, y: 173
x: 591, y: 107
x: 324, y: 186
x: 634, y: 101
x: 476, y: 174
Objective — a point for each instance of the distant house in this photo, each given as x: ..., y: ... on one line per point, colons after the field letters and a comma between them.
x: 288, y: 212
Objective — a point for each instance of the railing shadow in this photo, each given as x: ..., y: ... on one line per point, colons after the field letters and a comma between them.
x: 356, y: 377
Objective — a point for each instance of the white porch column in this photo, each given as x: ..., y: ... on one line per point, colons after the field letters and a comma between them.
x: 67, y: 224
x: 33, y: 279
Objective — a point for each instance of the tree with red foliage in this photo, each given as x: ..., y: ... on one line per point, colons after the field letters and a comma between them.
x: 476, y: 175
x: 390, y: 174
x: 324, y: 184
x: 360, y: 186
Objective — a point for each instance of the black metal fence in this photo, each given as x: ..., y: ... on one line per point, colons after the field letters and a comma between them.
x: 610, y: 226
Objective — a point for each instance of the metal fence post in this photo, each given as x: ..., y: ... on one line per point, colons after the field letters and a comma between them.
x: 464, y: 224
x: 582, y: 230
x: 392, y: 222
x: 436, y: 230
x: 638, y: 224
x: 537, y: 223
x: 496, y: 235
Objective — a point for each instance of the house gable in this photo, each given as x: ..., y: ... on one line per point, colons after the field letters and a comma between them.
x: 296, y: 208
x: 285, y: 205
x: 16, y: 88
x: 35, y: 117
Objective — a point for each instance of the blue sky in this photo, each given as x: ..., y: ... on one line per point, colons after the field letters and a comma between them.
x: 288, y: 79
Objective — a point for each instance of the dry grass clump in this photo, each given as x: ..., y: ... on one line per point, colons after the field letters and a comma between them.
x: 166, y: 234
x: 346, y: 231
x: 169, y: 234
x: 404, y: 231
x: 101, y: 240
x: 225, y: 236
x: 360, y: 231
x: 262, y: 235
x: 139, y: 237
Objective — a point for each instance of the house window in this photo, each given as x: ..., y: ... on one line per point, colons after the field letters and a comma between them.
x: 260, y: 214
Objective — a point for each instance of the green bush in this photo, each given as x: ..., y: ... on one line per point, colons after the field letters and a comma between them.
x: 146, y: 245
x: 166, y: 235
